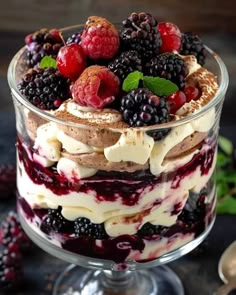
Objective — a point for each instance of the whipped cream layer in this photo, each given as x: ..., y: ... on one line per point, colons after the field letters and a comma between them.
x: 153, y: 201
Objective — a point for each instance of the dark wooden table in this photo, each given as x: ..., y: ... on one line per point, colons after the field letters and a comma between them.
x: 198, y: 273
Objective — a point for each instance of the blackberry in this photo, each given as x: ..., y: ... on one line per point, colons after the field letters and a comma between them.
x: 149, y: 230
x: 141, y: 107
x: 7, y: 181
x: 42, y: 43
x: 55, y: 222
x: 139, y: 32
x: 10, y: 269
x: 85, y: 228
x: 44, y: 88
x: 126, y: 63
x: 12, y: 232
x: 75, y: 38
x: 169, y: 66
x: 193, y: 45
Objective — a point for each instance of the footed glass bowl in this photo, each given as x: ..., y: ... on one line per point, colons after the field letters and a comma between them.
x: 122, y: 219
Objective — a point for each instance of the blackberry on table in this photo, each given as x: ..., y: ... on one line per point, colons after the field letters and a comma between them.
x: 139, y: 32
x: 44, y: 88
x: 126, y: 63
x: 85, y: 228
x: 193, y: 45
x: 41, y: 43
x: 13, y: 234
x: 75, y: 38
x: 149, y: 230
x: 55, y: 222
x: 10, y: 269
x: 141, y: 107
x: 169, y: 66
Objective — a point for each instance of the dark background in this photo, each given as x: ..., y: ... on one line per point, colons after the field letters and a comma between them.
x: 215, y: 21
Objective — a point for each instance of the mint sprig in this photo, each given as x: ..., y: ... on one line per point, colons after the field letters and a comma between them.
x: 225, y: 178
x: 48, y: 62
x: 157, y: 85
x: 131, y: 82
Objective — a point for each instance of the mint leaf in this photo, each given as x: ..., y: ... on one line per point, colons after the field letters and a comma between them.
x: 131, y: 82
x: 48, y: 62
x: 225, y: 145
x: 159, y: 86
x: 222, y: 160
x: 226, y: 206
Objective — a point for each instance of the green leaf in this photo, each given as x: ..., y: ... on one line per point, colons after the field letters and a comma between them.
x: 222, y: 160
x: 222, y: 189
x: 226, y: 145
x: 159, y: 86
x: 226, y: 206
x: 131, y: 82
x: 48, y: 62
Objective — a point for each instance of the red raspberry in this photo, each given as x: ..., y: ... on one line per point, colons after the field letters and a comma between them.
x: 71, y: 61
x: 100, y: 38
x: 96, y: 87
x: 170, y: 36
x: 176, y: 101
x: 192, y: 93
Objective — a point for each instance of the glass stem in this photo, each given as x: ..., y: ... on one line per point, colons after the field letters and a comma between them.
x: 118, y: 279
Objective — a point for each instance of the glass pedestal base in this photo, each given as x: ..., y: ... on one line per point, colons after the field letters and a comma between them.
x: 155, y: 281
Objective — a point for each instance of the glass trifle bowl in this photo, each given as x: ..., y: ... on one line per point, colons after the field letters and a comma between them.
x: 112, y: 198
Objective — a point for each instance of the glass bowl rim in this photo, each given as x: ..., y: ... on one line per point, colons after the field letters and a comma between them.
x: 224, y: 80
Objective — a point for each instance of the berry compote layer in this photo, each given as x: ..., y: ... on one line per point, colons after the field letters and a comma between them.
x: 108, y: 171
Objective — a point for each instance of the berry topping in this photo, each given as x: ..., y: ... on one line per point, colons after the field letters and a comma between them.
x: 149, y: 230
x: 169, y: 66
x: 100, y: 38
x: 140, y: 33
x: 75, y: 38
x: 126, y: 63
x: 141, y: 107
x: 176, y: 101
x: 96, y: 87
x: 44, y: 88
x: 192, y: 93
x: 7, y: 181
x: 71, y: 61
x: 55, y: 222
x: 193, y: 45
x: 42, y: 43
x: 12, y: 233
x: 85, y: 228
x: 170, y: 36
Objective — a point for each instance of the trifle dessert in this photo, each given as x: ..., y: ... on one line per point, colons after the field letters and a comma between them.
x: 117, y: 137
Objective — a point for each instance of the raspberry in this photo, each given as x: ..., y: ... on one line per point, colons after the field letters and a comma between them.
x: 193, y: 45
x: 170, y: 36
x: 71, y: 61
x: 100, y: 38
x: 169, y: 66
x: 96, y: 87
x: 55, y: 222
x: 149, y: 230
x: 141, y: 107
x: 13, y: 234
x: 75, y: 38
x: 85, y: 228
x: 140, y: 33
x: 192, y: 93
x: 44, y: 88
x: 7, y: 181
x: 176, y: 101
x: 41, y: 43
